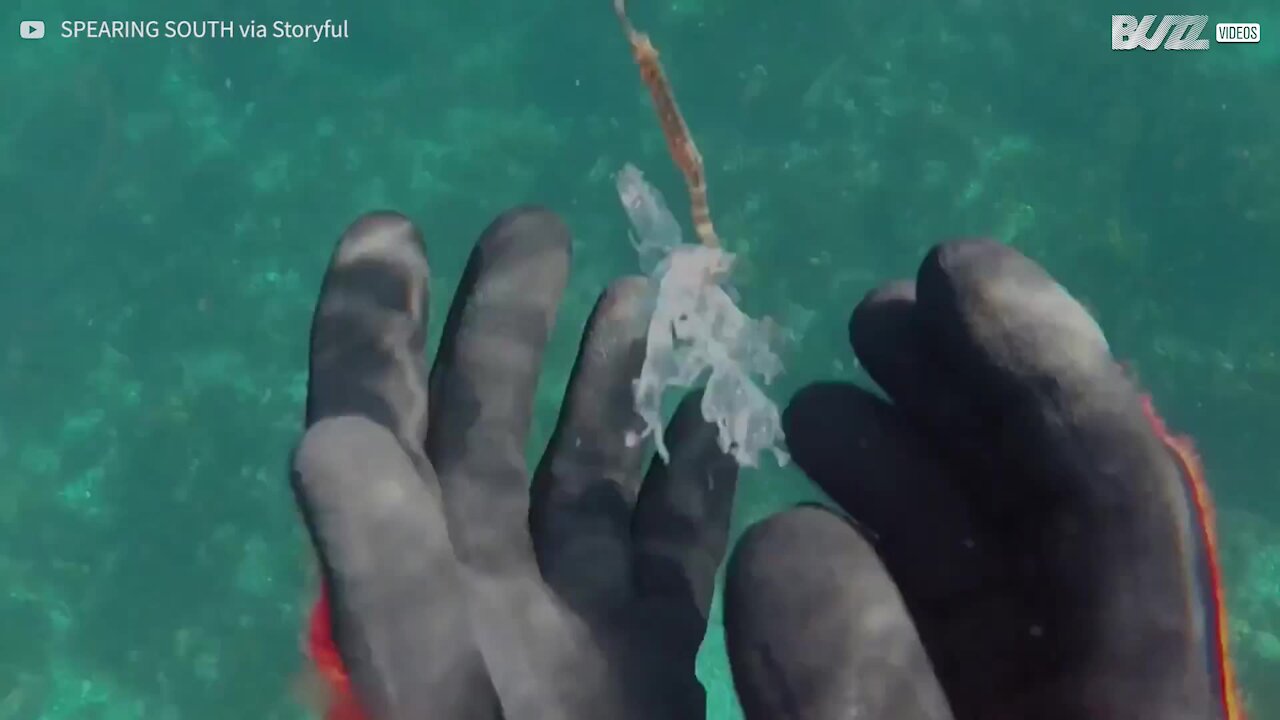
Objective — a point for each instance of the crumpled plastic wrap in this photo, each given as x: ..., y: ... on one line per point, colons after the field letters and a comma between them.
x: 696, y: 331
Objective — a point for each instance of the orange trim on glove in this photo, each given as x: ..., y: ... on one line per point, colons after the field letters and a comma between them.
x: 340, y: 702
x: 1192, y: 470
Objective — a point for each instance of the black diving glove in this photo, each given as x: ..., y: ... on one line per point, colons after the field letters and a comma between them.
x: 1023, y: 540
x: 453, y: 587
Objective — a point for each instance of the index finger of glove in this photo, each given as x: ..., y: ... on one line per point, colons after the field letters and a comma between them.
x: 586, y: 485
x: 483, y: 383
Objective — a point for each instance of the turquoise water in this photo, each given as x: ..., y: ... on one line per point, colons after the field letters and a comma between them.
x: 168, y: 207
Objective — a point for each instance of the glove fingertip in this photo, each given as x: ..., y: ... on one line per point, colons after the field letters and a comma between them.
x: 808, y: 606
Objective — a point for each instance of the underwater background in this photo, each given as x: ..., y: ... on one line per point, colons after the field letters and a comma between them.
x: 167, y: 207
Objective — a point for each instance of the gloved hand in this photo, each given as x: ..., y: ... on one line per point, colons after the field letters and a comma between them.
x: 1023, y: 539
x: 451, y: 589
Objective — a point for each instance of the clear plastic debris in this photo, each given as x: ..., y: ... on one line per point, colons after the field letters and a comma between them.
x: 696, y: 332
